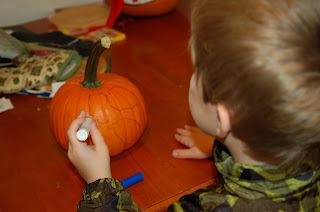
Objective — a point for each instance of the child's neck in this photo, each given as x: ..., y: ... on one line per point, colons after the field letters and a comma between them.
x: 237, y: 148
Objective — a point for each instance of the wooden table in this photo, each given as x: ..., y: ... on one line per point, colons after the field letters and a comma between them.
x: 36, y: 174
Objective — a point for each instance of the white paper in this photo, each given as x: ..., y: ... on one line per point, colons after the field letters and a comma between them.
x: 55, y: 88
x: 5, y: 104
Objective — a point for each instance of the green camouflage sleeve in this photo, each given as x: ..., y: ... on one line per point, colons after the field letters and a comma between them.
x: 216, y: 198
x: 244, y: 187
x: 207, y: 199
x: 106, y: 195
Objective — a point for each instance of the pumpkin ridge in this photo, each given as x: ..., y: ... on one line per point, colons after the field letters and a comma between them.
x: 57, y: 110
x: 67, y: 88
x: 104, y: 106
x: 61, y: 92
x: 132, y: 93
x: 63, y: 136
x: 80, y: 103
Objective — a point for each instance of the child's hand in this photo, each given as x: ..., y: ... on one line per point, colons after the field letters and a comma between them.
x: 92, y: 162
x: 199, y: 144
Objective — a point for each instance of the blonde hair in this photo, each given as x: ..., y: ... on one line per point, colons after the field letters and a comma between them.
x: 261, y: 58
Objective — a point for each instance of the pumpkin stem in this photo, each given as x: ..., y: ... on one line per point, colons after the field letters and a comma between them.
x: 90, y: 76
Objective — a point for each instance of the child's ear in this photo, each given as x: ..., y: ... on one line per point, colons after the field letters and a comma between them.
x: 224, y: 125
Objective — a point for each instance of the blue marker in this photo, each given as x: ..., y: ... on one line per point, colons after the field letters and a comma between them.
x: 132, y: 180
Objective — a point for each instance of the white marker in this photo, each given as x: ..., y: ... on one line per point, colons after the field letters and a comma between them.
x: 84, y: 130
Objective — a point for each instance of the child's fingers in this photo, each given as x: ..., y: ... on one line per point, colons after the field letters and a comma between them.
x: 96, y: 135
x: 185, y: 140
x: 182, y: 131
x: 184, y: 153
x: 192, y: 128
x: 187, y: 127
x: 74, y: 126
x: 82, y: 113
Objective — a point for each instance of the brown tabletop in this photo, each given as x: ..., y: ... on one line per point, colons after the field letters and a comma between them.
x: 36, y: 174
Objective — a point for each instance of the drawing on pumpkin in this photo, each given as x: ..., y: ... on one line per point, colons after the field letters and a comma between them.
x: 113, y: 101
x: 114, y: 113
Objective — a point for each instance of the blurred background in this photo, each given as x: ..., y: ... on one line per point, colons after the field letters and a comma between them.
x: 21, y: 11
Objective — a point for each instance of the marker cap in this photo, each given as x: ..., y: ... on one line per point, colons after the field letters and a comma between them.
x: 132, y: 180
x: 82, y: 135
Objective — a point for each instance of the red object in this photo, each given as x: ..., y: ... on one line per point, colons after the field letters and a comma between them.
x: 44, y: 52
x: 116, y: 8
x: 153, y: 8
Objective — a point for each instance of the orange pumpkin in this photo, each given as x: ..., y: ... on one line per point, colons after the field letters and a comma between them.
x: 113, y: 101
x: 150, y: 7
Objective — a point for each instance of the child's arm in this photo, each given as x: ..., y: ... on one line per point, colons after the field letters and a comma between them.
x: 102, y: 193
x: 199, y: 145
x: 92, y: 162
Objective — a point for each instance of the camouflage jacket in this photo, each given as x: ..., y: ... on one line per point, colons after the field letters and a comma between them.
x: 241, y: 188
x: 255, y: 188
x: 106, y: 195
